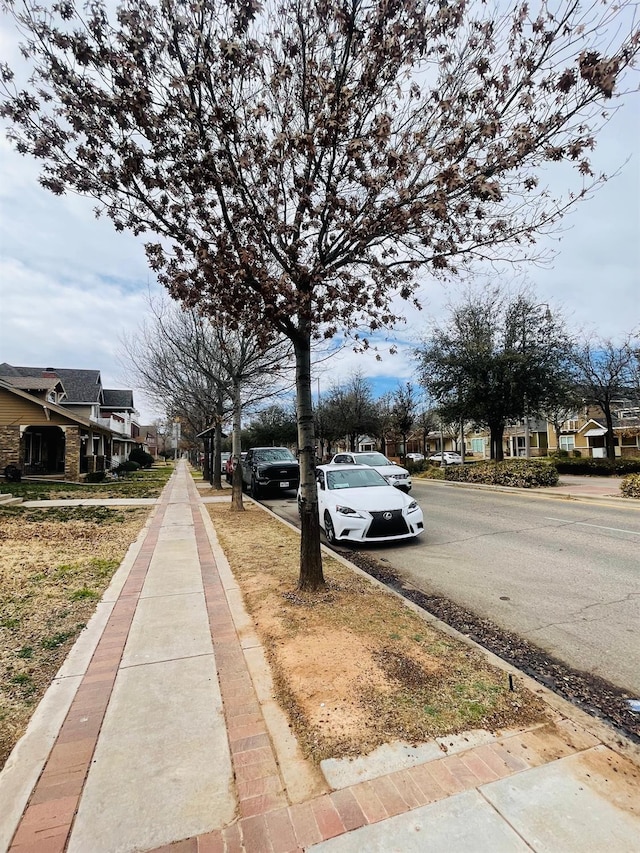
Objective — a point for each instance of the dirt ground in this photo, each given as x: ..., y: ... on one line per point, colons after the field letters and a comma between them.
x: 353, y: 666
x: 54, y: 567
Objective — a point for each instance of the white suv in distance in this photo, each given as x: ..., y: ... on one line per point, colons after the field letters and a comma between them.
x: 393, y: 474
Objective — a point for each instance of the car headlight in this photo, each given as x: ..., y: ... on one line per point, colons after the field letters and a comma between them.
x: 413, y: 506
x: 346, y: 510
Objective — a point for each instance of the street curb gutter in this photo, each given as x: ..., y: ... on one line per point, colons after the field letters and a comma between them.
x: 616, y: 741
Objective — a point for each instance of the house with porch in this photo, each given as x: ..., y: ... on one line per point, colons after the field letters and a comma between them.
x: 63, y: 422
x: 584, y: 433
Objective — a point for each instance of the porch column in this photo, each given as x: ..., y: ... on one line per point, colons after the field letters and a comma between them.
x: 72, y: 454
x: 10, y: 447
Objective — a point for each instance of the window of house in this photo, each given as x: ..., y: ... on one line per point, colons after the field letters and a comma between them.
x: 477, y: 445
x: 567, y: 442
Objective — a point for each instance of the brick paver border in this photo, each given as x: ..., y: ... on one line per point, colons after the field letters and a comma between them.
x: 47, y: 820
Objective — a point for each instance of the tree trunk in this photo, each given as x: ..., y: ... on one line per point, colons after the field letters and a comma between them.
x: 206, y: 465
x: 217, y: 441
x: 216, y: 481
x: 557, y: 428
x: 311, y: 576
x: 609, y: 437
x: 236, y: 448
x: 497, y: 435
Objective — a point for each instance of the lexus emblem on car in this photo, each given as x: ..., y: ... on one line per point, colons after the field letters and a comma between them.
x: 387, y: 516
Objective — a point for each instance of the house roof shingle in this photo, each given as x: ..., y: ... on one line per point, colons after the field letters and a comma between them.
x: 82, y: 386
x: 114, y: 398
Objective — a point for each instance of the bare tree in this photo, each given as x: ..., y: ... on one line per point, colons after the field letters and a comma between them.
x: 308, y: 158
x: 404, y: 411
x: 197, y: 369
x: 350, y: 409
x: 605, y: 372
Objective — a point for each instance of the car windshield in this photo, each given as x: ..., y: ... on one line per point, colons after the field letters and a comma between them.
x: 354, y: 479
x: 371, y: 459
x: 275, y: 454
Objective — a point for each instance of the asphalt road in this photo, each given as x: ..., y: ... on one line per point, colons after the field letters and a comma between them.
x: 563, y: 574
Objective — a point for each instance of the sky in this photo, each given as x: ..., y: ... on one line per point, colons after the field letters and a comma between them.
x: 71, y: 287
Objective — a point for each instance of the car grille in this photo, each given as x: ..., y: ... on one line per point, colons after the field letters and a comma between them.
x: 280, y: 472
x: 396, y: 525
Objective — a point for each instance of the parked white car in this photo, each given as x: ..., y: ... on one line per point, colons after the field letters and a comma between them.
x: 415, y: 457
x: 393, y: 474
x: 356, y: 503
x: 450, y: 458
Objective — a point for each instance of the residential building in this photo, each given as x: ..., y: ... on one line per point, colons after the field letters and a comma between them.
x: 584, y: 433
x: 62, y: 421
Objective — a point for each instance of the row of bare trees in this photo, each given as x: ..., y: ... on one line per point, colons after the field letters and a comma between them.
x: 296, y: 165
x: 195, y: 369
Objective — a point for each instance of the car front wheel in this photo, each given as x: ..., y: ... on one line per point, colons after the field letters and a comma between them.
x: 255, y: 489
x: 329, y: 531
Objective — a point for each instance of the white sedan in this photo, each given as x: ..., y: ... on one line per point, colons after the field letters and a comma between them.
x: 450, y: 458
x: 356, y: 503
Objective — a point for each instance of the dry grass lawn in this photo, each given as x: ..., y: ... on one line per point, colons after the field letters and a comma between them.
x: 54, y: 566
x: 354, y: 667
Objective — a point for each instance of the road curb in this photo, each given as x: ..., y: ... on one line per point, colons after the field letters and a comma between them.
x: 610, y: 500
x: 607, y: 735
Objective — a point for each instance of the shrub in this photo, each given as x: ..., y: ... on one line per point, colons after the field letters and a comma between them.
x: 144, y: 459
x: 95, y: 476
x: 599, y: 467
x: 630, y: 486
x: 522, y: 473
x: 126, y: 468
x: 434, y: 472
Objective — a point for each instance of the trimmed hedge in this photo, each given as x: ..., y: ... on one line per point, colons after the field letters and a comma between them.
x: 95, y: 476
x: 598, y: 467
x: 630, y: 486
x: 522, y: 473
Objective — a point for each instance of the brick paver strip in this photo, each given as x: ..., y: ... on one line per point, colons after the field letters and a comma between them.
x: 265, y: 823
x: 305, y: 825
x: 48, y: 817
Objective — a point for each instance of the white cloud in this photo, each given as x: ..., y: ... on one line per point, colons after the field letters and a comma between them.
x: 71, y: 285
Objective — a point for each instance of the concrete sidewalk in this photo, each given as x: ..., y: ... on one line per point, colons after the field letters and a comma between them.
x: 160, y: 733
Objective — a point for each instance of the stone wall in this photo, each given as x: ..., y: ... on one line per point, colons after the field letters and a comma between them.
x: 10, y: 447
x: 72, y: 454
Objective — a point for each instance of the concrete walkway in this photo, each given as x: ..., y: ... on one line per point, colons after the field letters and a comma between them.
x: 160, y: 733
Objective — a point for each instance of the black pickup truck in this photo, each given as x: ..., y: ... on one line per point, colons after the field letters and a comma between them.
x: 272, y: 468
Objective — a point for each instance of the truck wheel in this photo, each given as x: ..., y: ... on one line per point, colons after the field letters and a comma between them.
x: 255, y: 489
